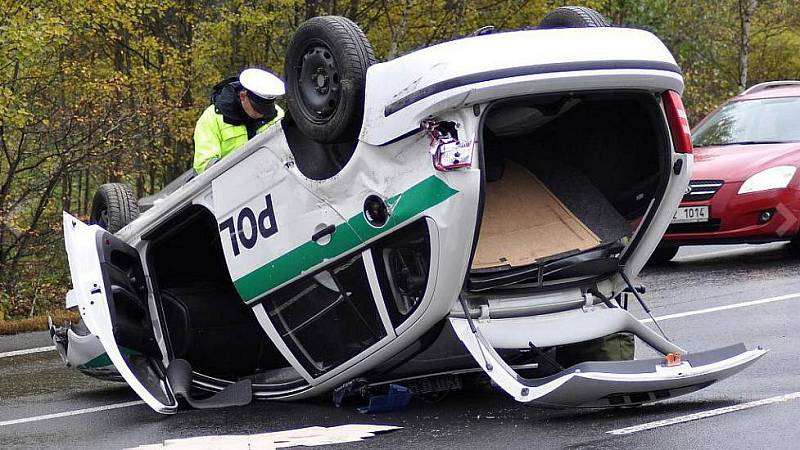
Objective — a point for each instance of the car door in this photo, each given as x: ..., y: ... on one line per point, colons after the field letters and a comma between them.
x: 110, y: 289
x: 297, y: 262
x: 272, y: 227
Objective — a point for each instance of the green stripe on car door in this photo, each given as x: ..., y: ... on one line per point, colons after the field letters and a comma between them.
x: 420, y: 197
x: 103, y: 360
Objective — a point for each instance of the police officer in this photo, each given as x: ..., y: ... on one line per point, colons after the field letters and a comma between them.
x: 240, y: 109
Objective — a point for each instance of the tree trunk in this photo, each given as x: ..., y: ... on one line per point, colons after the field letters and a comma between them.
x: 237, y: 58
x: 86, y: 199
x: 352, y: 10
x: 398, y: 32
x: 747, y: 9
x: 312, y: 6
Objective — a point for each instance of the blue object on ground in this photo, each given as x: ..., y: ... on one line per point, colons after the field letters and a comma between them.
x: 396, y: 399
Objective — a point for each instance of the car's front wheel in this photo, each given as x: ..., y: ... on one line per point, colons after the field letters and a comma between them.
x: 663, y: 254
x: 573, y: 17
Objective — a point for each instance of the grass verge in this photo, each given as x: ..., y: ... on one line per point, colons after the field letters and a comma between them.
x: 38, y: 323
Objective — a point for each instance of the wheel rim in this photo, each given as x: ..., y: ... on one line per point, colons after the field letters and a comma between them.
x: 102, y: 218
x: 318, y: 83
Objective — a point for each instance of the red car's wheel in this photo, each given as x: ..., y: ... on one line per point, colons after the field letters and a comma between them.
x: 794, y: 245
x: 662, y: 255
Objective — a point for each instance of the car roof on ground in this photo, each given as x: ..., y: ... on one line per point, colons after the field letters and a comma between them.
x: 772, y: 90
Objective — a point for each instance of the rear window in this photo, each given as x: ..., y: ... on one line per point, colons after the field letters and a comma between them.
x: 763, y: 121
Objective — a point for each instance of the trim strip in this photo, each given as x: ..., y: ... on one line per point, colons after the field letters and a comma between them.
x: 102, y: 360
x: 509, y: 72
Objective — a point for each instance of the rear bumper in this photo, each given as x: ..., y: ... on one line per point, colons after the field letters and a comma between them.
x: 619, y: 383
x: 734, y: 218
x: 595, y: 384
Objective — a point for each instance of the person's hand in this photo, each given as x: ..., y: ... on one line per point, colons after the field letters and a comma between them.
x: 211, y: 162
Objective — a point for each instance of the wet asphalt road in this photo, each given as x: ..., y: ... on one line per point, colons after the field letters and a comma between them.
x: 702, y: 277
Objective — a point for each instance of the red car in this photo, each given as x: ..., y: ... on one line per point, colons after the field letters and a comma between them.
x: 744, y: 187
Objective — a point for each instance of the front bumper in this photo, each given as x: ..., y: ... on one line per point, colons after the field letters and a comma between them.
x: 734, y: 218
x: 81, y: 349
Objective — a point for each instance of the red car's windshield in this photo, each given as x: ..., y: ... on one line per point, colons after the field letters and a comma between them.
x: 762, y: 121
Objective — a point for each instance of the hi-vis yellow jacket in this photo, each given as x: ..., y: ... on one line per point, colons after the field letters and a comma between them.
x: 215, y: 139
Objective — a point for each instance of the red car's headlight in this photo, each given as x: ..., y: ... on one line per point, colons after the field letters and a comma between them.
x: 773, y: 178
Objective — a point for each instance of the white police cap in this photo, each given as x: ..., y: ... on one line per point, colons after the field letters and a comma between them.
x: 262, y: 83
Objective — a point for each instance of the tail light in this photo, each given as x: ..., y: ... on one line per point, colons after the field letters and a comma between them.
x: 447, y: 151
x: 678, y: 122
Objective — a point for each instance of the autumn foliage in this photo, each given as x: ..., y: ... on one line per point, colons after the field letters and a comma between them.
x: 109, y: 90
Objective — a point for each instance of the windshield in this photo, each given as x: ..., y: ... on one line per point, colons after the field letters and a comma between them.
x: 764, y: 121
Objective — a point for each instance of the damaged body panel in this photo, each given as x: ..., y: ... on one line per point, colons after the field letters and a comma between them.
x: 493, y: 210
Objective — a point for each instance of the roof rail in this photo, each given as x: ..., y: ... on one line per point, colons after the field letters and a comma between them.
x: 769, y: 85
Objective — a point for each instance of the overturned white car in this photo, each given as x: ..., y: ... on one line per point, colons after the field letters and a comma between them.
x: 468, y: 206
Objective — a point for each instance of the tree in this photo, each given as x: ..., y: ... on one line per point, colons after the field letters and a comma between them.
x: 108, y: 90
x: 747, y: 8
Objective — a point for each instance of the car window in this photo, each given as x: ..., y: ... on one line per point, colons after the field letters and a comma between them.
x: 328, y: 318
x: 771, y: 120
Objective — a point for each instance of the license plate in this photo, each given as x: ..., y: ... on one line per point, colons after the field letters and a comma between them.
x: 690, y: 214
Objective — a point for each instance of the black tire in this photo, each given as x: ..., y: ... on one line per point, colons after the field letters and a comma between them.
x: 794, y: 246
x: 573, y: 17
x: 662, y: 255
x: 326, y: 72
x: 113, y: 207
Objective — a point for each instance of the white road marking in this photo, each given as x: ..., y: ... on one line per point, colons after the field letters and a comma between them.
x: 27, y: 351
x: 303, y: 437
x: 725, y: 307
x: 705, y: 414
x: 71, y: 413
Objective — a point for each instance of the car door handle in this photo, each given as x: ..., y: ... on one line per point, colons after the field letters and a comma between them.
x: 323, y: 232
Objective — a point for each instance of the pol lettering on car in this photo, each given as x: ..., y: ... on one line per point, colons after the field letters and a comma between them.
x: 247, y: 228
